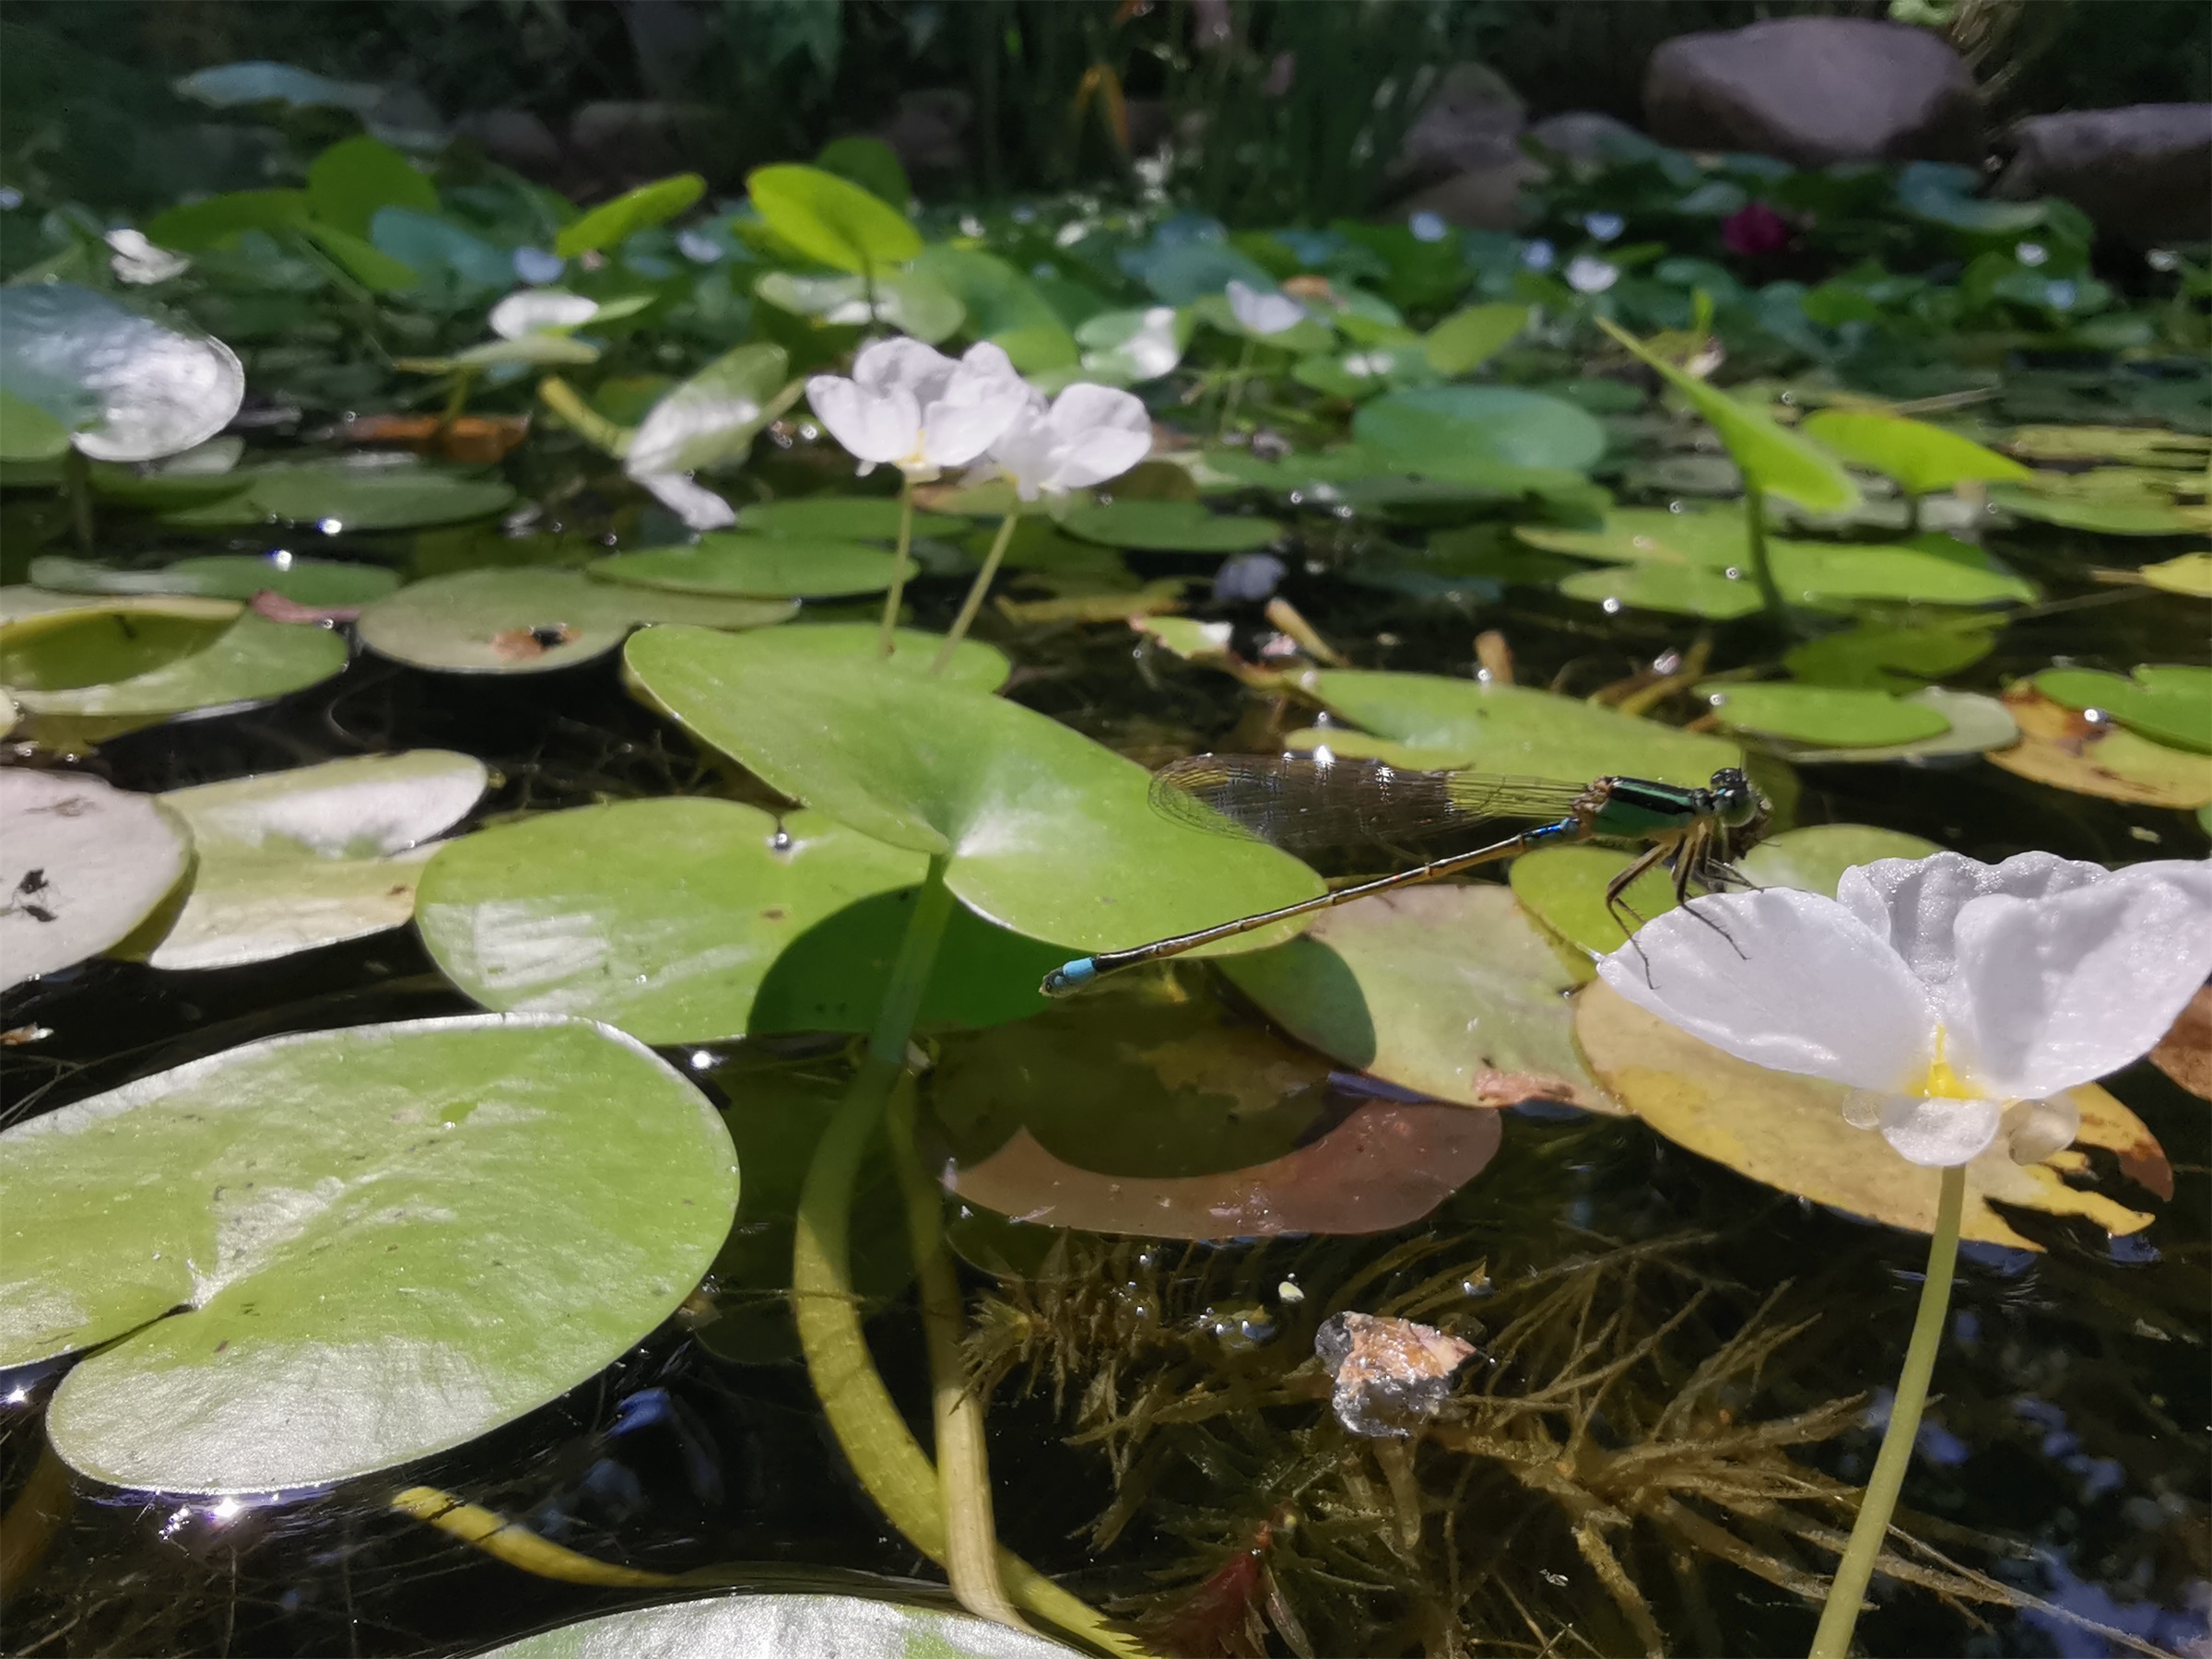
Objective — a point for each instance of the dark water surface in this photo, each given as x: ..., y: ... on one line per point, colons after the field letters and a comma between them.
x: 2073, y: 1393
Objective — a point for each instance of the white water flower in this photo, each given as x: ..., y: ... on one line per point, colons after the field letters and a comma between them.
x: 1586, y: 274
x: 698, y: 507
x: 137, y: 261
x: 1956, y: 997
x: 910, y: 407
x: 1264, y: 314
x: 534, y: 310
x: 1085, y: 436
x: 534, y: 264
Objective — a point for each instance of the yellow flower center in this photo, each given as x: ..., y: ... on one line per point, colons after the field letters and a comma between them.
x: 1942, y: 1083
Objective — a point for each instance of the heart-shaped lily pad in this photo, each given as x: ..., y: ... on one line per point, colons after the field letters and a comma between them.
x: 1169, y: 527
x: 2167, y: 702
x: 1431, y: 720
x: 1830, y: 716
x: 321, y: 583
x: 789, y: 1626
x: 1815, y: 857
x: 1974, y: 725
x: 384, y: 1241
x: 1012, y: 801
x: 1789, y: 1131
x: 1888, y: 659
x: 1428, y: 428
x: 693, y: 921
x: 121, y: 663
x: 530, y: 620
x: 356, y: 493
x: 2061, y: 746
x: 81, y: 864
x: 290, y: 860
x: 759, y: 566
x: 842, y: 518
x: 1396, y: 986
x: 1921, y: 457
x: 126, y: 387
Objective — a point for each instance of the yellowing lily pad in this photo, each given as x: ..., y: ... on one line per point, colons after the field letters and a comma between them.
x: 1448, y: 991
x: 2188, y: 573
x: 82, y: 865
x: 2059, y: 746
x: 2167, y: 702
x: 2137, y: 446
x: 759, y: 566
x: 692, y: 920
x: 529, y: 620
x: 324, y: 1254
x: 1789, y: 1132
x: 1831, y: 716
x: 1433, y: 721
x: 292, y: 860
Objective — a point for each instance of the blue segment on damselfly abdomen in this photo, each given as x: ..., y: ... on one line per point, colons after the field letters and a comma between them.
x: 1304, y: 802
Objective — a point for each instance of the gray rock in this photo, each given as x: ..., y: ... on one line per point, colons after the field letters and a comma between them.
x: 928, y: 127
x: 514, y: 138
x: 1590, y: 135
x: 1471, y: 122
x: 1814, y: 91
x: 2143, y: 173
x: 1483, y: 198
x: 613, y: 146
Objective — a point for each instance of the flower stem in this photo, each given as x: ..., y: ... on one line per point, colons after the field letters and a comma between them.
x: 1236, y: 387
x: 1762, y: 567
x: 889, y: 642
x: 977, y: 589
x: 1879, y: 1501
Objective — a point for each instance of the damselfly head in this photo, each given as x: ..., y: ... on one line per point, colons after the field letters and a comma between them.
x: 1736, y: 803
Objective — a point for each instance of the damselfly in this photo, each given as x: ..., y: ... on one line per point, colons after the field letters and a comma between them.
x: 1305, y: 801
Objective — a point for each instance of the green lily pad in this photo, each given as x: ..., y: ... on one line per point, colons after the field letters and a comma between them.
x: 82, y: 865
x: 1921, y: 458
x: 696, y: 920
x: 793, y: 1626
x: 842, y: 518
x: 359, y: 493
x: 138, y: 661
x: 2167, y: 702
x: 287, y: 861
x: 1467, y: 340
x: 1563, y: 889
x: 830, y: 647
x: 321, y: 583
x: 2189, y: 573
x: 1888, y: 659
x: 2065, y: 749
x: 1680, y: 590
x: 1927, y: 569
x: 126, y: 387
x: 384, y: 1240
x: 530, y: 620
x: 1390, y: 985
x: 1976, y: 725
x: 2112, y: 500
x: 612, y: 223
x: 1012, y: 800
x: 2136, y: 446
x: 762, y: 566
x: 1813, y: 858
x: 1705, y: 538
x: 1431, y: 721
x: 1430, y: 429
x: 829, y: 220
x: 1169, y: 527
x: 1832, y: 716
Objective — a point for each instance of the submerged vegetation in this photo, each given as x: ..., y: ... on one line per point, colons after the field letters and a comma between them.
x: 551, y: 748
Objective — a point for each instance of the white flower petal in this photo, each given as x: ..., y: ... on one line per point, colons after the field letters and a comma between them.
x: 1939, y: 1132
x: 2035, y: 1129
x: 694, y: 503
x: 1914, y: 902
x: 955, y: 433
x: 529, y: 310
x: 1264, y: 313
x: 985, y: 362
x: 900, y: 362
x: 882, y: 426
x: 2055, y: 991
x: 1799, y: 985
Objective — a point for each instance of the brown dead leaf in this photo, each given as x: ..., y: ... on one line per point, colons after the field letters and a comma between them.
x: 2184, y: 1053
x: 520, y: 645
x: 2058, y: 745
x: 273, y: 605
x: 478, y: 440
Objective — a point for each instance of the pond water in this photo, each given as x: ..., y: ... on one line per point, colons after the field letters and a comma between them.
x: 2064, y: 1456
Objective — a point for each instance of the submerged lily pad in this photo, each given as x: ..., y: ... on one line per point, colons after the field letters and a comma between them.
x: 332, y: 1253
x: 2059, y: 746
x: 762, y: 566
x: 1011, y: 799
x: 694, y: 921
x: 842, y: 518
x: 1831, y: 716
x: 1396, y: 986
x: 1169, y: 527
x: 1433, y: 721
x: 2112, y: 500
x: 531, y: 619
x: 322, y: 584
x: 789, y: 1626
x: 2167, y: 702
x: 287, y: 861
x: 1789, y: 1132
x: 126, y: 387
x: 353, y: 493
x: 81, y: 864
